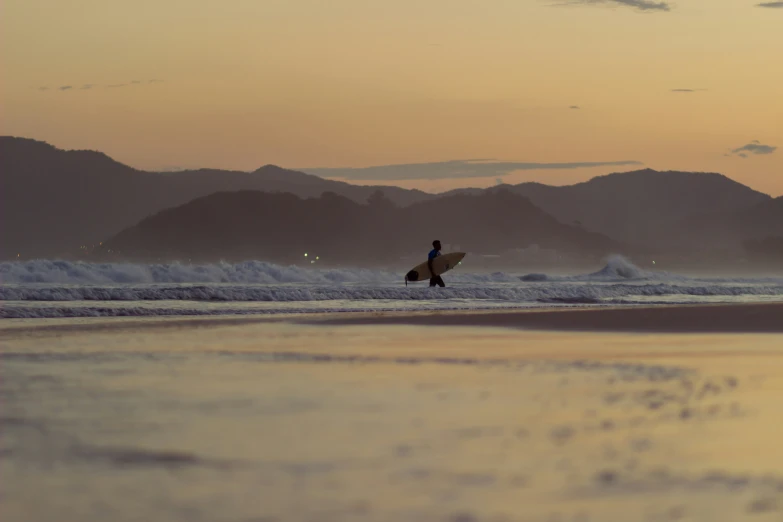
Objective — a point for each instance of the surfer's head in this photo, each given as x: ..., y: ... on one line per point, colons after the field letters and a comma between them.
x: 436, y: 244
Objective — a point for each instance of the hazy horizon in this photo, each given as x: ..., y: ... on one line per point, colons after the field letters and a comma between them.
x: 436, y: 177
x: 687, y: 86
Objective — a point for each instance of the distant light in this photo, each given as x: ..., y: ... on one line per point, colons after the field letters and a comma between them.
x: 305, y: 254
x: 311, y: 262
x: 317, y: 258
x: 653, y: 262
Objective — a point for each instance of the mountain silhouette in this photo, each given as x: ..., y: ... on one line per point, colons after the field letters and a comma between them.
x: 54, y: 200
x: 732, y: 229
x: 283, y: 227
x: 644, y: 207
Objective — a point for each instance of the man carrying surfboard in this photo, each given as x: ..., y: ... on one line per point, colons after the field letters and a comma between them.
x: 435, y: 252
x: 435, y: 265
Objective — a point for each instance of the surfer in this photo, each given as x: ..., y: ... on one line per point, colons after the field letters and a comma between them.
x: 435, y: 252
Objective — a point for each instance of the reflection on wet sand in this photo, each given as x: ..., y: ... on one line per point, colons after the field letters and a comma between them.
x: 285, y: 421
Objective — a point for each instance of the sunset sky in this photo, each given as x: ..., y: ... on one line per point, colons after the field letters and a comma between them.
x: 167, y: 84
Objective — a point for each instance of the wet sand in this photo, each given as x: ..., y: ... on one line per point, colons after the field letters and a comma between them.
x: 383, y: 418
x: 718, y: 318
x: 713, y: 318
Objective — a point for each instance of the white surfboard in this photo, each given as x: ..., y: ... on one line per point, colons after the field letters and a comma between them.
x: 440, y: 265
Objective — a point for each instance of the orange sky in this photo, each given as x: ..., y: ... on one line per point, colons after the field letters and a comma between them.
x: 351, y: 83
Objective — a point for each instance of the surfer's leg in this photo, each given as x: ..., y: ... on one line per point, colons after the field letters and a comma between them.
x: 433, y: 280
x: 439, y: 280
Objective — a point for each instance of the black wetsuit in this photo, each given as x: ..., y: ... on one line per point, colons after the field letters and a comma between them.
x: 435, y: 280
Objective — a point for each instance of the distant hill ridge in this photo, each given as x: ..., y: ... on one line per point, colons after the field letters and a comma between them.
x: 52, y: 200
x: 282, y: 227
x: 640, y: 207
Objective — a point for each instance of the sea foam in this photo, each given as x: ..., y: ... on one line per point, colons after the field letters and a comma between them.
x: 260, y: 272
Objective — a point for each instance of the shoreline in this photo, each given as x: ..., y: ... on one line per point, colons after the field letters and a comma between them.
x: 697, y: 318
x: 702, y: 318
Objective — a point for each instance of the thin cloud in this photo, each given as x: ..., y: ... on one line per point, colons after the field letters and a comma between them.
x: 640, y: 5
x: 754, y: 147
x: 449, y: 169
x: 688, y: 90
x: 574, y: 107
x: 90, y: 86
x: 771, y: 5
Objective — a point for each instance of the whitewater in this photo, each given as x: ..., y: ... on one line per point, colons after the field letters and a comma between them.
x: 61, y: 289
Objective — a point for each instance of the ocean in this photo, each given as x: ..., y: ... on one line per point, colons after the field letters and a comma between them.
x: 63, y: 289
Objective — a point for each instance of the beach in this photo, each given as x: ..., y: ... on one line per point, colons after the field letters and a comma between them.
x: 717, y: 318
x: 640, y: 413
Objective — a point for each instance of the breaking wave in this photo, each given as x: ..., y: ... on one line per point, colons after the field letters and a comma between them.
x: 251, y: 272
x: 260, y: 272
x: 617, y: 268
x: 77, y: 289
